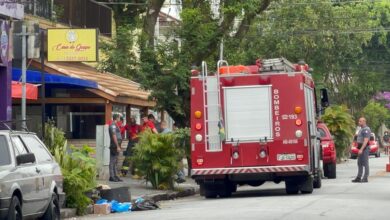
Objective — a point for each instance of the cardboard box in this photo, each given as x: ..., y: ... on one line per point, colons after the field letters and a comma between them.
x: 102, y: 209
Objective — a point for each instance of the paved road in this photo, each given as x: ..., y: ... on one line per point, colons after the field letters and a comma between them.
x: 337, y: 199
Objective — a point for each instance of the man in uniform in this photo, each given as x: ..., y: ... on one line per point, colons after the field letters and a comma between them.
x: 386, y: 142
x: 363, y: 137
x: 115, y: 147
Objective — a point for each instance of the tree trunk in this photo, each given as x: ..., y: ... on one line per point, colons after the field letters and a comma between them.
x: 154, y: 8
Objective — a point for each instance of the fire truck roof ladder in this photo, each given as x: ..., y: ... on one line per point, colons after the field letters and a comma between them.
x: 212, y: 109
x: 277, y: 64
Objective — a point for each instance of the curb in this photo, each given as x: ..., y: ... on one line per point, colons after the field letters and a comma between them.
x: 171, y: 195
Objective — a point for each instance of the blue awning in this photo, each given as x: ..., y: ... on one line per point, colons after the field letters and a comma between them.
x: 52, y: 79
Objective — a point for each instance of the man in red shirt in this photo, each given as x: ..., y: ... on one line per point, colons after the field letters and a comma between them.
x: 148, y: 125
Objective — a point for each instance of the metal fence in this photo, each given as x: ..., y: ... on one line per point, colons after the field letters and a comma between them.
x: 75, y: 13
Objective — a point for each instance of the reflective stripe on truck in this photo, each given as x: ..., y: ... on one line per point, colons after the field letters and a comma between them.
x: 265, y: 169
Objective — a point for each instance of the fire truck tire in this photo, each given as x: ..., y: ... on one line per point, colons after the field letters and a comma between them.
x: 226, y: 189
x: 210, y: 191
x: 317, y: 180
x: 292, y: 187
x: 307, y: 185
x: 225, y: 193
x: 210, y: 195
x: 331, y: 168
x: 233, y: 187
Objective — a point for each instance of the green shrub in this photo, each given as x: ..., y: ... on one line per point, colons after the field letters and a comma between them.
x: 341, y: 126
x: 183, y: 141
x: 54, y: 137
x: 157, y: 159
x: 79, y: 171
x: 376, y: 114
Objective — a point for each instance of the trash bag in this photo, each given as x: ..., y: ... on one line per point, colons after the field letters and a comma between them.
x: 120, y: 207
x: 101, y: 201
x: 142, y: 205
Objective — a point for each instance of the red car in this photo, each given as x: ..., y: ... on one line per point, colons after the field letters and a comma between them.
x: 374, y: 147
x: 328, y: 151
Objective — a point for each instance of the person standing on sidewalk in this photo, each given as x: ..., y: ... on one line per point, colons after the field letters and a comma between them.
x: 115, y: 148
x: 386, y: 142
x: 148, y: 125
x: 363, y: 137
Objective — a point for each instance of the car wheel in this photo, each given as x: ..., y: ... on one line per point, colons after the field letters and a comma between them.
x: 325, y: 167
x: 332, y: 171
x: 53, y: 210
x: 378, y: 153
x: 15, y: 209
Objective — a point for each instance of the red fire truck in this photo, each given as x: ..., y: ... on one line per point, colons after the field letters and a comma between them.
x: 251, y: 124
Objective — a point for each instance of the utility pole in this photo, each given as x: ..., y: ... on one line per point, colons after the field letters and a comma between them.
x: 43, y: 84
x: 24, y: 54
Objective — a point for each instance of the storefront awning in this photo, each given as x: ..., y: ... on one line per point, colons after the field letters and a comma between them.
x: 31, y: 91
x: 52, y: 79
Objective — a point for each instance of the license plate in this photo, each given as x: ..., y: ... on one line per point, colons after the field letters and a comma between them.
x: 286, y: 157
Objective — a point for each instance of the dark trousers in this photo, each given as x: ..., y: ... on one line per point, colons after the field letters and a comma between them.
x: 362, y: 162
x: 113, y: 165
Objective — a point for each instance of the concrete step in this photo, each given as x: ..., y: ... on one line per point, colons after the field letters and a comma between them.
x: 68, y: 213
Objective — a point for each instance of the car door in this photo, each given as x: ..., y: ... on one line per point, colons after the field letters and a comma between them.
x: 26, y: 177
x: 44, y: 168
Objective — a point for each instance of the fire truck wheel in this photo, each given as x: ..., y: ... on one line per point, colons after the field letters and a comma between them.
x: 210, y: 194
x: 307, y: 185
x: 233, y: 187
x: 210, y: 191
x: 331, y: 171
x: 292, y: 187
x: 317, y: 180
x: 225, y: 193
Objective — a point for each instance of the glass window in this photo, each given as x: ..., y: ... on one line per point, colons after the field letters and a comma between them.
x: 40, y: 152
x: 322, y: 132
x: 18, y: 146
x: 5, y: 158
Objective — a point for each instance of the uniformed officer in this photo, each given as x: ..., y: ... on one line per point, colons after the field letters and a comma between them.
x: 363, y: 138
x: 115, y: 147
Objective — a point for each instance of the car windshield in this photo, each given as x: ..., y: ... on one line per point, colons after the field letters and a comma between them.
x: 5, y: 158
x: 322, y: 132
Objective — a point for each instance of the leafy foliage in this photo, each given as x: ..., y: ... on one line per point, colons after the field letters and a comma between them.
x: 182, y: 138
x: 119, y: 56
x: 79, y: 171
x: 341, y: 126
x: 183, y: 141
x: 337, y: 40
x: 54, y: 138
x: 376, y: 114
x: 157, y: 158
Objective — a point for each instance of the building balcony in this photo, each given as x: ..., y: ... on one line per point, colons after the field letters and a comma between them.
x: 73, y: 13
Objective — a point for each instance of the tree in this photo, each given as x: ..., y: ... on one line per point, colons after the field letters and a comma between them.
x: 165, y: 68
x: 120, y: 57
x: 376, y: 114
x: 333, y: 38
